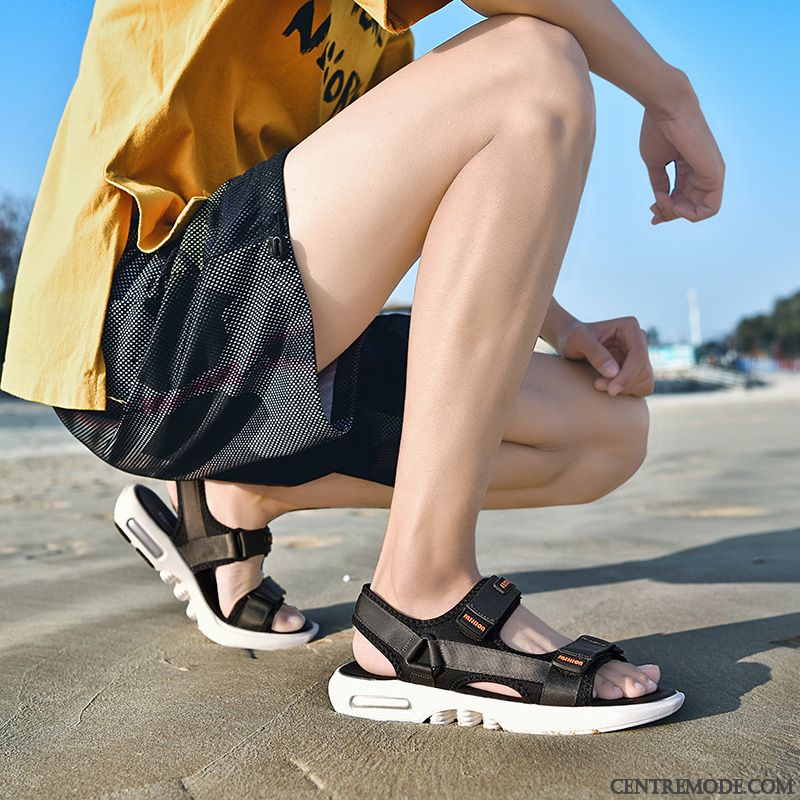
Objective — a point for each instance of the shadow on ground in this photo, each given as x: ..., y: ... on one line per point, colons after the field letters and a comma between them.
x: 771, y: 557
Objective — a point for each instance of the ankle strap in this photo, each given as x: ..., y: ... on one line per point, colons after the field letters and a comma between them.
x: 205, y: 542
x: 420, y: 652
x: 223, y: 548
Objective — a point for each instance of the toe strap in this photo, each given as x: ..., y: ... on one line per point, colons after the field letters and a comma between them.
x: 489, y: 608
x: 256, y: 610
x: 571, y: 675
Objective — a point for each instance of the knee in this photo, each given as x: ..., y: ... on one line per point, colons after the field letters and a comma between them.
x: 618, y: 453
x: 631, y: 435
x: 626, y: 442
x: 543, y: 80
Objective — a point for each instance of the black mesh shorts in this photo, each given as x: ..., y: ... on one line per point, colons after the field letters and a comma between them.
x: 211, y: 368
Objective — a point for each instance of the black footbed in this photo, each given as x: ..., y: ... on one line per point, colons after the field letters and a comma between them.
x: 354, y: 670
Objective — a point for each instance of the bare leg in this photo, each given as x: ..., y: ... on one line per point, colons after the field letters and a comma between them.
x: 565, y: 444
x: 491, y: 209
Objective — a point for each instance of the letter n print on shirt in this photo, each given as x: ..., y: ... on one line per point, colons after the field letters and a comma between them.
x: 303, y: 23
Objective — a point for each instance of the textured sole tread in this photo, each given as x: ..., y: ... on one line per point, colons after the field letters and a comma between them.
x: 391, y: 700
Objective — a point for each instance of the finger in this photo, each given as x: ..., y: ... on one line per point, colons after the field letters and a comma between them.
x: 702, y: 207
x: 600, y: 358
x: 656, y: 218
x: 601, y: 384
x: 644, y: 383
x: 700, y: 169
x: 638, y: 386
x: 692, y: 213
x: 642, y: 386
x: 635, y: 387
x: 666, y: 206
x: 680, y: 194
x: 647, y: 384
x: 635, y: 359
x: 659, y: 178
x: 696, y: 196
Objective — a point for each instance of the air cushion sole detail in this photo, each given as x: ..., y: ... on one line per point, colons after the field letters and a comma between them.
x: 400, y: 701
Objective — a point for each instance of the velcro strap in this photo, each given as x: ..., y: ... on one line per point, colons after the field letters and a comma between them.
x: 577, y: 657
x: 490, y: 607
x: 569, y: 682
x: 270, y: 591
x: 396, y: 635
x: 423, y: 658
x: 419, y: 655
x: 488, y: 661
x: 256, y: 610
x: 235, y: 545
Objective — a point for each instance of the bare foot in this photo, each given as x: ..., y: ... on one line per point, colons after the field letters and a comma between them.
x: 522, y: 631
x: 236, y: 580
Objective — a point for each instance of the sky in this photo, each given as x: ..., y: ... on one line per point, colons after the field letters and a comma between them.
x: 741, y: 58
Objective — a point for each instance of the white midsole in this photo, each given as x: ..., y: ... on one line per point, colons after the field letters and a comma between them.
x: 400, y: 701
x: 147, y: 536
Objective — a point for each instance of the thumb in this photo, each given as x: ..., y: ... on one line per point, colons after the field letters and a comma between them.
x: 601, y: 359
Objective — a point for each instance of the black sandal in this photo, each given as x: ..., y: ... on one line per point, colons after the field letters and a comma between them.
x: 185, y: 549
x: 435, y: 659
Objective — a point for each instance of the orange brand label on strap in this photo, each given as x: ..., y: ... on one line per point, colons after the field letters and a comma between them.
x: 474, y: 622
x: 577, y: 661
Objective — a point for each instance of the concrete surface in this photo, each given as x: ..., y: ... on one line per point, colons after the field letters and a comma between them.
x: 107, y: 690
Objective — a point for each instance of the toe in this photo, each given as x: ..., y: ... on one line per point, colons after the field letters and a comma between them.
x: 651, y: 671
x: 287, y: 619
x: 605, y: 689
x: 633, y: 681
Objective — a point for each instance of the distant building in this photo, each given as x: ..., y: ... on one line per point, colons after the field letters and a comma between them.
x: 671, y: 357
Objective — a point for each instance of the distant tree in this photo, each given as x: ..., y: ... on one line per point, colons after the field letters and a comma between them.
x: 14, y: 216
x: 755, y: 333
x: 653, y: 337
x: 777, y: 332
x: 710, y: 350
x: 786, y: 321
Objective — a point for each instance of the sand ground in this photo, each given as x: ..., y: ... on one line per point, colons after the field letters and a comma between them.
x: 107, y: 690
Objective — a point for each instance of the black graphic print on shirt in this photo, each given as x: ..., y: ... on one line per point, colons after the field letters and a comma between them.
x: 341, y: 84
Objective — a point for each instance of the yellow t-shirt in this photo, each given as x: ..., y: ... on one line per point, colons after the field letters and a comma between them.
x: 173, y: 98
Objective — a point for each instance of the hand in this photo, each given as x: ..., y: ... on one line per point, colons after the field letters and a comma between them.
x: 617, y: 349
x: 682, y: 136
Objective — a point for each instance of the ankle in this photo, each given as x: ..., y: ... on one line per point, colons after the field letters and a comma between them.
x: 425, y: 596
x: 237, y: 505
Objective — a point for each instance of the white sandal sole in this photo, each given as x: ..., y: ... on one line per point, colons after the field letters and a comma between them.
x: 152, y: 542
x: 400, y: 701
